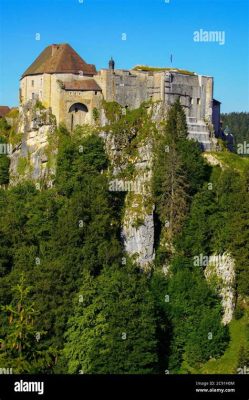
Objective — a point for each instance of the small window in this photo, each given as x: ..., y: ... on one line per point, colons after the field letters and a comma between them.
x: 32, y: 83
x: 96, y: 93
x: 33, y: 96
x: 198, y: 101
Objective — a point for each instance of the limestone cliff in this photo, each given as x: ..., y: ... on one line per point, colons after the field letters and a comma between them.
x: 129, y: 149
x: 138, y: 222
x: 221, y: 273
x: 33, y: 156
x: 131, y: 156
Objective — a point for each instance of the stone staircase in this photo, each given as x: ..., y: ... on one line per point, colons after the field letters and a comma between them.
x: 199, y: 131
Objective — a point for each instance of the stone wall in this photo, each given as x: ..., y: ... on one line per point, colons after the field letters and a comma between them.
x: 129, y: 88
x: 48, y: 89
x: 88, y: 98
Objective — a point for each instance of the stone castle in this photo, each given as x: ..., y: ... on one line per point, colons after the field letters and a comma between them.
x: 69, y: 90
x: 62, y: 81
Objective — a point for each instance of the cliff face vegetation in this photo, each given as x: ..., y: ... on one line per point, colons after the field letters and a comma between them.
x: 122, y: 249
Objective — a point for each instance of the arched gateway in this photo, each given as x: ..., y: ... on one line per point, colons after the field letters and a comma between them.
x: 78, y: 113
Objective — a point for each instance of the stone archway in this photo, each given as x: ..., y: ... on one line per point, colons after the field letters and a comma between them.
x: 77, y: 113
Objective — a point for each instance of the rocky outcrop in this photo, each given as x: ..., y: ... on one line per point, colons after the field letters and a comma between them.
x: 130, y: 172
x: 221, y: 273
x: 139, y: 240
x: 138, y: 221
x: 130, y: 151
x: 33, y: 157
x: 213, y: 160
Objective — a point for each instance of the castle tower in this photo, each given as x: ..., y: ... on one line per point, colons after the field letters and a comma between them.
x: 111, y: 64
x: 59, y: 60
x: 60, y: 79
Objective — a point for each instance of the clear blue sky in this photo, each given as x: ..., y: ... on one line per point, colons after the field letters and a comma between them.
x: 154, y: 28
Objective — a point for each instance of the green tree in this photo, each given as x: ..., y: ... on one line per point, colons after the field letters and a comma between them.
x: 238, y: 123
x: 195, y: 312
x: 170, y: 184
x: 19, y: 343
x: 113, y: 327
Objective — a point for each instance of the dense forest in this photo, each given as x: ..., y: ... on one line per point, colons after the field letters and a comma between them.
x: 73, y: 301
x: 238, y: 125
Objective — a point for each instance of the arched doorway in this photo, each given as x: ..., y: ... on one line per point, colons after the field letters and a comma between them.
x: 77, y: 113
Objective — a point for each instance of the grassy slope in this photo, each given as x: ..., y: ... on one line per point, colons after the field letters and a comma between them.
x: 232, y: 160
x: 228, y: 363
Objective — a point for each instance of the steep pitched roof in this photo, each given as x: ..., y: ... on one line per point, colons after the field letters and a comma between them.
x: 4, y: 110
x: 59, y: 58
x: 85, y: 85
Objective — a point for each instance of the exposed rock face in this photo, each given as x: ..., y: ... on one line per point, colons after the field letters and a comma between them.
x: 34, y: 156
x: 212, y: 160
x: 138, y: 220
x: 221, y: 271
x: 139, y: 240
